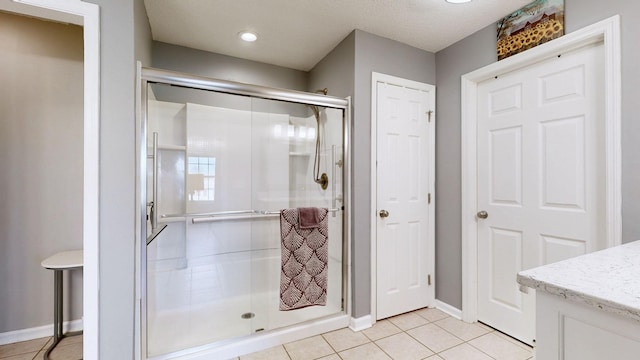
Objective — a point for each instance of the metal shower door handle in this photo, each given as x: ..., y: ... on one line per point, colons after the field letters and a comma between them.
x: 482, y: 214
x: 384, y: 213
x: 156, y: 166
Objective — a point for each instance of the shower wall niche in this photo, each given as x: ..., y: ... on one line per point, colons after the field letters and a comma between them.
x: 223, y: 166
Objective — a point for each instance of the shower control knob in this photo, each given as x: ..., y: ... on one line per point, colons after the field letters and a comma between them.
x: 384, y: 213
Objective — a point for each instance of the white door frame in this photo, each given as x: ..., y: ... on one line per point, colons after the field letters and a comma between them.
x: 607, y: 32
x: 375, y: 78
x: 86, y: 15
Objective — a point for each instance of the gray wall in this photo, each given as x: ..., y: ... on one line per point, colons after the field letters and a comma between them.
x: 477, y: 51
x: 336, y: 70
x: 467, y: 55
x: 120, y: 41
x: 217, y: 66
x: 374, y: 54
x: 223, y: 67
x: 41, y: 165
x: 143, y: 43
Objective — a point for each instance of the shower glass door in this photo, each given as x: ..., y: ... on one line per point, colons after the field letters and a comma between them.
x: 223, y: 167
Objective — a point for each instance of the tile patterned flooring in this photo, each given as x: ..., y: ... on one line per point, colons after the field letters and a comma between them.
x: 69, y: 348
x: 421, y: 334
x: 418, y: 335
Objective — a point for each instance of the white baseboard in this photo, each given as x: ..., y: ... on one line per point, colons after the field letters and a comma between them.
x: 37, y: 332
x: 361, y: 323
x: 448, y: 309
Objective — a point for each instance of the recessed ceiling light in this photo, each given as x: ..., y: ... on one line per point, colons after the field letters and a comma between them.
x: 248, y: 36
x: 458, y: 1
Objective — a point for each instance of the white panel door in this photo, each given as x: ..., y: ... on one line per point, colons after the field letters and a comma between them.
x: 404, y: 180
x: 540, y: 156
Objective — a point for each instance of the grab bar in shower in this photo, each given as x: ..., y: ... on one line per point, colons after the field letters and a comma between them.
x: 238, y: 215
x: 219, y: 213
x: 196, y: 220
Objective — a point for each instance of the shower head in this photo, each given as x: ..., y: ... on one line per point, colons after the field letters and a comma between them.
x: 316, y: 108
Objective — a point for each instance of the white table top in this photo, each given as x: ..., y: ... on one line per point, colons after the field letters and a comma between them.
x: 607, y: 279
x: 63, y: 260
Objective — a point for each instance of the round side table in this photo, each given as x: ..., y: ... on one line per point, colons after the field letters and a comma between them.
x: 59, y: 262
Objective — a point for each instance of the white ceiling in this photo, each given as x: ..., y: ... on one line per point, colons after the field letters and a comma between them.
x: 298, y: 33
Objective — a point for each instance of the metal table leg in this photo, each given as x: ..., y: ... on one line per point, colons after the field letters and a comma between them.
x: 58, y: 317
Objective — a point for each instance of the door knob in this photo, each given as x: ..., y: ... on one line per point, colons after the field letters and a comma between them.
x: 482, y: 214
x: 384, y: 213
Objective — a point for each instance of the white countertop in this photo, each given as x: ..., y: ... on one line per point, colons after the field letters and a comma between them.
x: 607, y: 279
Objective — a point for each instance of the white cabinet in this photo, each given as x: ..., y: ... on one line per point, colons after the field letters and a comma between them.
x: 572, y: 331
x: 588, y: 307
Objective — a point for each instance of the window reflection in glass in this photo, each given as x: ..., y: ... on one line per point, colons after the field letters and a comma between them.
x: 201, y: 183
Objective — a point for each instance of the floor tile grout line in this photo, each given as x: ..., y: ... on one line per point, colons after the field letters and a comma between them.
x: 49, y: 339
x: 286, y: 352
x: 328, y: 342
x: 494, y: 332
x: 450, y: 333
x: 473, y: 338
x: 434, y: 323
x: 381, y: 349
x: 513, y: 340
x: 482, y: 351
x: 419, y: 342
x: 416, y: 340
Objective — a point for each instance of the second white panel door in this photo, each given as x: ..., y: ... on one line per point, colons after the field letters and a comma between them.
x: 404, y: 182
x: 540, y: 160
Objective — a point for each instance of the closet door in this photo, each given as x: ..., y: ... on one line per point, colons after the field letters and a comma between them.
x: 404, y: 206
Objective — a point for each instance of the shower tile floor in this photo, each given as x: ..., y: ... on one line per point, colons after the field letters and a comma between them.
x: 421, y: 334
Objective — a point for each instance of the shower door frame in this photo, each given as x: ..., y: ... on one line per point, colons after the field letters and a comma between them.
x: 146, y: 76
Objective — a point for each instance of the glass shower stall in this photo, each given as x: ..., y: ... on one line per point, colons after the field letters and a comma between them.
x: 221, y: 161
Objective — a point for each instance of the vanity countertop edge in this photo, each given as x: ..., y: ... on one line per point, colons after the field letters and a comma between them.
x: 607, y: 279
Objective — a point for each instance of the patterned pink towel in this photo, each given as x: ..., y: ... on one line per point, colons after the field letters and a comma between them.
x: 304, y: 265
